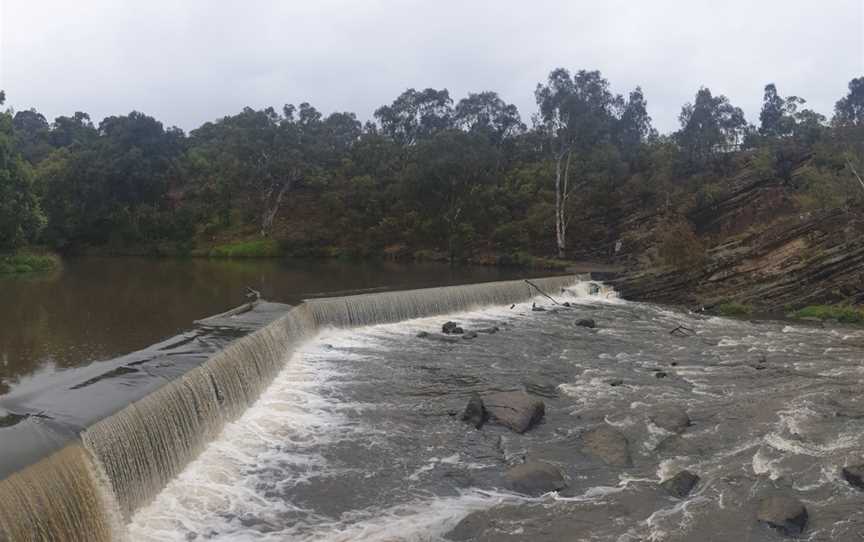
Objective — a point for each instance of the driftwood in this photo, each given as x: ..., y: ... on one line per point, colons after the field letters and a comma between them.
x: 683, y: 331
x: 542, y: 292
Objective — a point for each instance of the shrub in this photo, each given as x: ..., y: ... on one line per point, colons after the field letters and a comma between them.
x: 842, y: 313
x: 734, y: 309
x: 27, y: 262
x: 680, y: 248
x: 260, y: 248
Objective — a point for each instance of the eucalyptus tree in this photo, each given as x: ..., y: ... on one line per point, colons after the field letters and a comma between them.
x: 416, y: 115
x: 849, y: 110
x: 710, y: 126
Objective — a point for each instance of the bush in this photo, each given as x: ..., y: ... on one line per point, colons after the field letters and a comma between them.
x: 680, y: 248
x: 27, y: 262
x: 734, y: 309
x: 842, y: 313
x: 261, y: 248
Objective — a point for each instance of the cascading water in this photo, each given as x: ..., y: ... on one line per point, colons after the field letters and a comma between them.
x: 127, y: 458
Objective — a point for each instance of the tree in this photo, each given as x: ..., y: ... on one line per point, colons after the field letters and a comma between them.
x: 21, y: 218
x: 634, y: 126
x: 709, y: 126
x: 77, y: 129
x: 777, y: 118
x: 576, y: 113
x: 32, y: 135
x: 416, y: 115
x: 849, y: 110
x: 486, y: 114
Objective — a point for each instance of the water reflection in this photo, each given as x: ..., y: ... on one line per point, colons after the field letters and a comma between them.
x: 98, y: 308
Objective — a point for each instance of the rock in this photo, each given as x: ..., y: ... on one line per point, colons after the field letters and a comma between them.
x: 452, y: 328
x: 661, y: 374
x: 535, y: 478
x: 515, y: 409
x: 614, y: 382
x: 475, y: 413
x: 855, y: 476
x: 681, y: 484
x: 586, y: 322
x: 608, y: 444
x: 674, y: 364
x: 535, y: 308
x: 786, y: 514
x: 490, y: 330
x: 566, y: 304
x: 670, y: 417
x: 541, y: 387
x: 470, y: 335
x: 470, y: 527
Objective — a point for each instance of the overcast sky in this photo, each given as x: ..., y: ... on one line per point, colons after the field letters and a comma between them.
x: 189, y: 61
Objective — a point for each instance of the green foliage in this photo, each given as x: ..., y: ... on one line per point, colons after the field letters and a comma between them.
x: 27, y: 262
x: 842, y: 313
x: 259, y: 248
x: 734, y: 309
x: 21, y: 216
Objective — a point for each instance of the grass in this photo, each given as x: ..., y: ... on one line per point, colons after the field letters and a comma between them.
x: 842, y: 313
x: 259, y: 248
x: 27, y: 262
x: 734, y: 309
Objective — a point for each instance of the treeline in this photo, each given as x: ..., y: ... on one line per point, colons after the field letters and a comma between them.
x: 427, y: 176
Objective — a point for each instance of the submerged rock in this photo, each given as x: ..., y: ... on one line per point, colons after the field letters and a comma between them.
x: 660, y: 374
x: 681, y: 484
x: 452, y: 328
x: 515, y: 409
x: 535, y: 478
x: 586, y: 322
x: 490, y: 330
x: 670, y: 417
x: 786, y: 514
x: 475, y: 413
x: 608, y: 444
x: 614, y: 382
x: 470, y: 335
x: 855, y: 476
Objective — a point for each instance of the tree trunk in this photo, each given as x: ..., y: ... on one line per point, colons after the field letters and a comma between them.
x: 272, y: 202
x: 561, y: 189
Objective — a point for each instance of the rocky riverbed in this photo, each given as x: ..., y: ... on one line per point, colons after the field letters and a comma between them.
x: 522, y: 425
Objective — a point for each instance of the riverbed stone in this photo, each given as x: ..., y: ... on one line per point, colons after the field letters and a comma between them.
x: 586, y: 322
x: 515, y: 409
x: 608, y: 444
x: 854, y: 474
x: 681, y: 484
x: 785, y: 514
x: 452, y: 328
x: 672, y: 418
x: 475, y: 413
x: 535, y: 478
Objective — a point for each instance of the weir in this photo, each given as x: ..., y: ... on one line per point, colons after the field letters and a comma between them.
x: 89, y: 489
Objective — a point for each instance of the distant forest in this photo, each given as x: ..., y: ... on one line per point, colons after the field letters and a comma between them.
x: 429, y: 177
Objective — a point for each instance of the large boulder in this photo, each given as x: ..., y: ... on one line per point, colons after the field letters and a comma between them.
x: 855, y: 476
x: 607, y: 443
x: 535, y: 478
x: 786, y: 514
x: 681, y: 484
x: 475, y: 412
x: 514, y: 409
x: 669, y: 417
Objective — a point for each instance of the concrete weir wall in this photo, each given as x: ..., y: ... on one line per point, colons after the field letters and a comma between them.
x: 88, y: 490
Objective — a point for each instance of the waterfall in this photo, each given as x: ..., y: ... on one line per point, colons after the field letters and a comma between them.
x: 88, y: 489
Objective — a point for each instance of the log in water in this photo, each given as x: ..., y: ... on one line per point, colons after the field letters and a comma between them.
x: 127, y: 458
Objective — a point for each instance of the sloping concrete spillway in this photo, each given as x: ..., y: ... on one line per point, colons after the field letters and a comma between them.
x: 91, y: 488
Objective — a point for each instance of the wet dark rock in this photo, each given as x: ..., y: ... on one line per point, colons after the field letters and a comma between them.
x: 452, y: 328
x: 608, y: 444
x: 475, y: 413
x: 586, y: 322
x: 543, y: 388
x: 615, y: 382
x: 674, y: 364
x: 681, y: 484
x: 535, y: 478
x: 855, y: 476
x: 565, y: 304
x: 515, y: 409
x: 470, y: 335
x: 490, y: 330
x: 670, y: 417
x: 422, y: 335
x: 661, y: 374
x: 786, y: 514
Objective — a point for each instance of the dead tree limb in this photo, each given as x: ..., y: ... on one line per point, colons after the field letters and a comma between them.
x: 542, y: 292
x: 854, y: 172
x: 683, y: 331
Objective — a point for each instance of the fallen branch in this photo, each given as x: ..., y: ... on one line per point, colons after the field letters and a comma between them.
x: 854, y: 172
x: 542, y: 292
x: 682, y: 330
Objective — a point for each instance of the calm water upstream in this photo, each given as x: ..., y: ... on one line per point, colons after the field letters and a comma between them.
x: 95, y: 309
